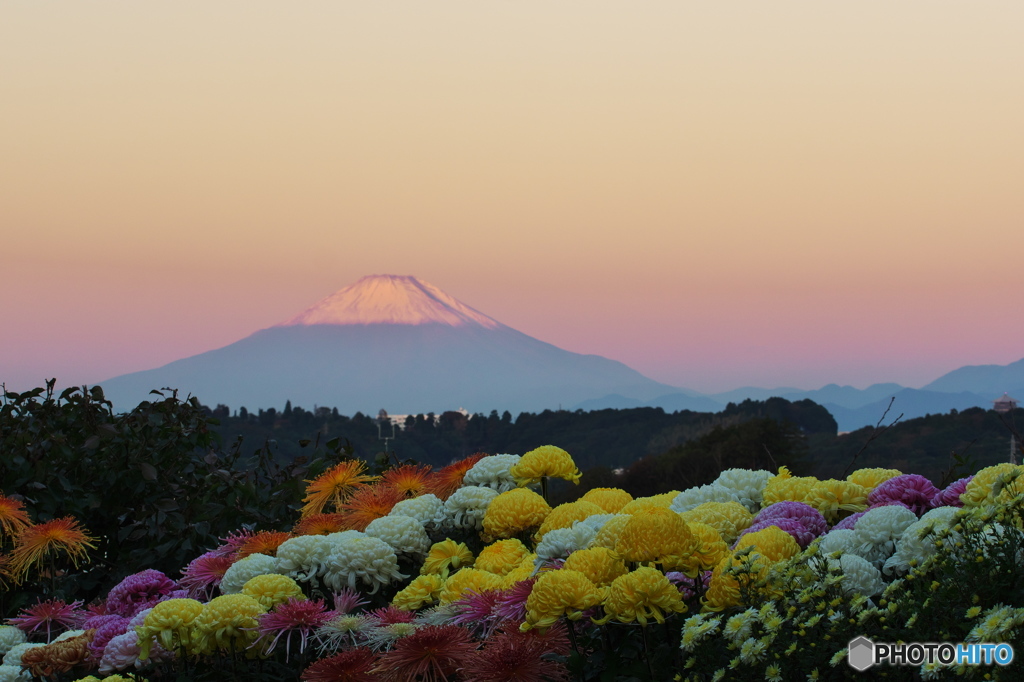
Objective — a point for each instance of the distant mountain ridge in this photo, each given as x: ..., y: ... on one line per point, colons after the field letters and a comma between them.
x: 391, y: 342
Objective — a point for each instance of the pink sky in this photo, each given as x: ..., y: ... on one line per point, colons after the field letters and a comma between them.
x: 717, y: 194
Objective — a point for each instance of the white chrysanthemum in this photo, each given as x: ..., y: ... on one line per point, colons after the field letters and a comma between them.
x: 13, y: 655
x: 842, y: 540
x: 859, y: 575
x: 748, y: 485
x: 561, y: 542
x: 467, y: 506
x: 361, y: 559
x: 14, y: 673
x: 243, y: 570
x: 493, y: 472
x: 917, y: 542
x: 122, y: 652
x: 694, y: 497
x: 876, y: 533
x: 68, y: 634
x: 405, y: 534
x: 9, y: 637
x: 596, y: 522
x: 303, y: 558
x: 427, y: 509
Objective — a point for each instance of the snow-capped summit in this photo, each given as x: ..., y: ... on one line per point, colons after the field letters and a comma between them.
x: 391, y: 299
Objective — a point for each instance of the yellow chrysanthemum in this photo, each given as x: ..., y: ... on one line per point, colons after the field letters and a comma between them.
x: 610, y: 531
x: 446, y: 556
x: 723, y: 588
x: 990, y: 482
x: 421, y: 591
x: 171, y: 622
x: 564, y: 515
x: 545, y: 461
x: 600, y: 564
x: 772, y: 543
x: 524, y: 571
x: 560, y: 593
x: 786, y: 487
x: 468, y: 579
x: 831, y: 497
x: 640, y: 595
x: 658, y: 535
x: 514, y: 512
x: 872, y: 478
x: 611, y: 500
x: 502, y: 556
x: 228, y: 623
x: 728, y: 518
x: 664, y: 500
x: 710, y: 547
x: 272, y: 589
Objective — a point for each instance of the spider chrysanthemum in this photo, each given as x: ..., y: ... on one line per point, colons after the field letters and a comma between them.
x: 334, y: 486
x: 431, y: 654
x: 13, y: 517
x: 59, y: 538
x: 321, y: 524
x: 263, y: 542
x: 353, y: 665
x: 447, y: 480
x: 410, y: 480
x: 369, y: 503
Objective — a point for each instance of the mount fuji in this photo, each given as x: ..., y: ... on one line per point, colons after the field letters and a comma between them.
x: 392, y: 342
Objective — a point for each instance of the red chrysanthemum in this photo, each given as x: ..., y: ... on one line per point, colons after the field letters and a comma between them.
x: 349, y: 666
x: 50, y: 613
x: 476, y: 610
x: 13, y: 517
x: 409, y: 479
x: 446, y: 481
x: 263, y: 542
x: 513, y: 656
x: 431, y: 654
x: 321, y: 524
x: 389, y: 615
x: 369, y: 503
x: 50, y: 539
x: 295, y: 616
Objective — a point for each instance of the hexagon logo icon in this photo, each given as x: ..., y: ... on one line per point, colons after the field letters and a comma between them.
x: 860, y: 653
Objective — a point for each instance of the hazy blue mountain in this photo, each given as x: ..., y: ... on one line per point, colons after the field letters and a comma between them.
x: 395, y: 343
x: 672, y: 402
x: 909, y: 402
x: 738, y: 395
x: 990, y: 381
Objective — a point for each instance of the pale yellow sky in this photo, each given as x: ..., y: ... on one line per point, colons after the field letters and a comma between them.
x: 715, y: 193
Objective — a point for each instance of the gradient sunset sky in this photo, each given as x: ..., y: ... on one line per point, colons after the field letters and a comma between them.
x: 784, y: 193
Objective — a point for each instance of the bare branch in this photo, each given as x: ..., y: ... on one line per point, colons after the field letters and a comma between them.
x: 875, y: 433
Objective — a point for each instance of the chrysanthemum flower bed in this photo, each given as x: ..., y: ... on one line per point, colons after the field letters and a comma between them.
x: 468, y: 574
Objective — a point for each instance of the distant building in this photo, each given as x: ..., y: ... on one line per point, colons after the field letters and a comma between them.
x: 399, y: 419
x: 1004, y: 404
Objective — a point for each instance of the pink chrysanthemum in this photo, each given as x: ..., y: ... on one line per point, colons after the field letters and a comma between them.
x: 295, y: 616
x: 389, y: 615
x: 233, y: 542
x: 476, y: 610
x: 349, y: 666
x: 50, y: 613
x: 849, y: 522
x: 348, y: 600
x: 431, y: 654
x: 111, y: 627
x: 139, y: 591
x: 202, y: 576
x: 914, y: 490
x: 950, y: 496
x: 510, y: 606
x: 796, y: 529
x: 513, y: 656
x: 807, y: 515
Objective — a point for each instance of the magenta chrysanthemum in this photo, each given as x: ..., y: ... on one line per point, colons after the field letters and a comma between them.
x: 950, y: 495
x: 348, y: 600
x: 796, y: 529
x: 807, y: 515
x: 389, y: 615
x: 232, y: 543
x: 510, y: 605
x: 106, y: 631
x: 203, y: 575
x: 295, y: 616
x: 47, y: 614
x: 139, y: 591
x: 913, y: 490
x: 476, y: 610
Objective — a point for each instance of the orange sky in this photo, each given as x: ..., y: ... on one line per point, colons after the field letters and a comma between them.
x: 718, y: 194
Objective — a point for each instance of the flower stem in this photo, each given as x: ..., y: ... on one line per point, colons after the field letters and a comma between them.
x: 647, y: 652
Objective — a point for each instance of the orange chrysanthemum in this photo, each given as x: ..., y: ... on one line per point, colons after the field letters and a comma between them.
x: 409, y: 479
x: 446, y: 481
x: 334, y: 486
x: 36, y: 543
x: 263, y: 542
x: 321, y: 524
x: 13, y: 517
x: 369, y: 503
